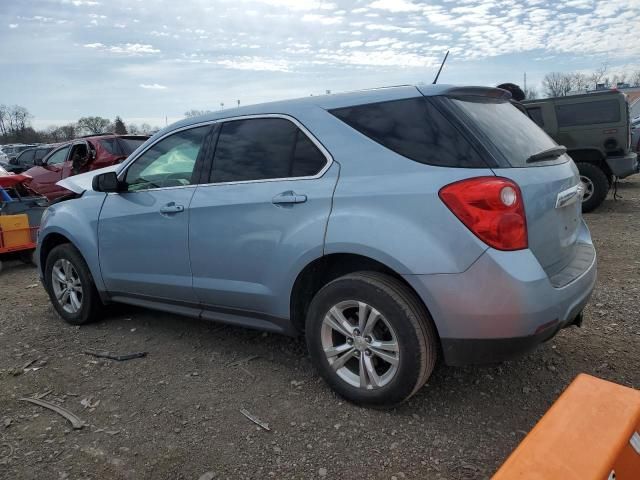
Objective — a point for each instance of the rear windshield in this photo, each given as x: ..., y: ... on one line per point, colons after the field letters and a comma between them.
x: 415, y: 129
x: 130, y: 144
x: 510, y: 131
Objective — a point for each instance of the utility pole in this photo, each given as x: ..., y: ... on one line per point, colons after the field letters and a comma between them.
x: 525, y: 82
x: 238, y: 103
x: 221, y: 105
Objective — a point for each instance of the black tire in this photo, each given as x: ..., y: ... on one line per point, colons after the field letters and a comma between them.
x: 90, y: 306
x: 600, y: 183
x: 416, y: 335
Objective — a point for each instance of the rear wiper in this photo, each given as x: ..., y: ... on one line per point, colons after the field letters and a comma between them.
x: 548, y: 154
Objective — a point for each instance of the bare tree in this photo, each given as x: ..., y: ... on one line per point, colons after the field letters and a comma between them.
x: 618, y: 78
x: 635, y: 79
x: 579, y: 82
x: 599, y: 75
x: 94, y: 125
x: 557, y: 84
x: 69, y: 131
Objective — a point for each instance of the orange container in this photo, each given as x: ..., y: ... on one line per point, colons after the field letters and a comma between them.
x: 14, y: 230
x: 591, y: 432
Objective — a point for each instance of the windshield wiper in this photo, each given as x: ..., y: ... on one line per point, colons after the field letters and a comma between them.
x: 548, y: 154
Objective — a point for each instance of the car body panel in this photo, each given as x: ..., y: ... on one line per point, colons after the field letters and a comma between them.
x: 144, y: 252
x: 231, y: 221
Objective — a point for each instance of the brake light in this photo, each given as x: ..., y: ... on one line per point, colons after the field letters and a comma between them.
x: 492, y: 208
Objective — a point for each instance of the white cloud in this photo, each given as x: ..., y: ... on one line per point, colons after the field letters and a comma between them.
x: 255, y: 63
x: 322, y: 19
x: 299, y: 4
x: 396, y: 5
x: 152, y: 86
x: 13, y: 25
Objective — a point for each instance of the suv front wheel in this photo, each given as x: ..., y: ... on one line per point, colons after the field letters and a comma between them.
x: 371, y: 339
x: 70, y: 286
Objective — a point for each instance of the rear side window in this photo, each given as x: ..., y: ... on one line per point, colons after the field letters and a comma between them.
x: 587, y: 113
x: 26, y: 158
x: 413, y: 128
x: 41, y: 153
x: 264, y: 148
x: 130, y: 144
x: 110, y: 145
x: 536, y: 115
x: 59, y: 156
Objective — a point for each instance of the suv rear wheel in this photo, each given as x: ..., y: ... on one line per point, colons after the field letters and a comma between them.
x: 596, y: 185
x: 70, y: 286
x: 371, y: 339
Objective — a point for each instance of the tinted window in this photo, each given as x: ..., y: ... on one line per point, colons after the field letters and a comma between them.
x: 59, y: 156
x: 41, y: 153
x: 307, y: 159
x: 604, y: 111
x: 130, y: 144
x: 413, y: 128
x: 263, y: 148
x: 511, y: 132
x: 536, y: 115
x: 26, y: 158
x: 110, y: 145
x: 169, y: 163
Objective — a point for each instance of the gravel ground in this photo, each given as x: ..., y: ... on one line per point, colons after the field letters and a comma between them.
x: 176, y: 413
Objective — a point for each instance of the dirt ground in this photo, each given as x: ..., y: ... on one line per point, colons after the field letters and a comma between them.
x: 176, y: 413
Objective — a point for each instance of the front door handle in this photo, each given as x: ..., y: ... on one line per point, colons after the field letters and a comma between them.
x: 171, y: 208
x: 289, y: 197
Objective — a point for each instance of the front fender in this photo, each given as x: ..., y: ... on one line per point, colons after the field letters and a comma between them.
x: 77, y: 221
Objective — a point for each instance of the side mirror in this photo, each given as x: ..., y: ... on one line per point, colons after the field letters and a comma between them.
x: 106, y: 182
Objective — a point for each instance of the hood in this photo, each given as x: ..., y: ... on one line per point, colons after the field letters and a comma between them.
x: 82, y: 183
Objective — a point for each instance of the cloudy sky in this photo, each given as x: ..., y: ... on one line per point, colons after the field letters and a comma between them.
x: 146, y: 60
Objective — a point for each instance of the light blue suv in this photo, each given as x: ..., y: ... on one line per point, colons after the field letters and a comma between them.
x: 391, y: 227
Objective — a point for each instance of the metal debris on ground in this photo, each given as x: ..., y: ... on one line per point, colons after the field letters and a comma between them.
x: 5, y: 459
x: 89, y: 402
x: 242, y: 361
x: 255, y: 420
x: 113, y: 356
x: 75, y: 421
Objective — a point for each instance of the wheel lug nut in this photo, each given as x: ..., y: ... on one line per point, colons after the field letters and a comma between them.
x: 367, y: 339
x: 350, y: 341
x: 367, y: 352
x: 357, y: 353
x: 356, y: 332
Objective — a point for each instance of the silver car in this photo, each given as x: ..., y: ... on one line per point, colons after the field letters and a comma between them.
x: 389, y: 226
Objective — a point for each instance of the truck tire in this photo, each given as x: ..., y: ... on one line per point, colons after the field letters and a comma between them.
x: 596, y: 185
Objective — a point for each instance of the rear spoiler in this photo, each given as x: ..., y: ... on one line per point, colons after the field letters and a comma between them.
x: 477, y: 92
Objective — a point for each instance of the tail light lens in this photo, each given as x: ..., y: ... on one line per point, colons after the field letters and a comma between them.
x: 492, y: 208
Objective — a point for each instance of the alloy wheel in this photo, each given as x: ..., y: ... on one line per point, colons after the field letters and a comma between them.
x: 360, y: 345
x: 67, y: 286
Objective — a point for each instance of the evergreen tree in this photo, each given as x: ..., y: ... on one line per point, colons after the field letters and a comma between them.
x: 119, y: 127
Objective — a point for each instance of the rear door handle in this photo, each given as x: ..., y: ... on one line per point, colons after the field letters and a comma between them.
x: 171, y: 208
x: 288, y: 197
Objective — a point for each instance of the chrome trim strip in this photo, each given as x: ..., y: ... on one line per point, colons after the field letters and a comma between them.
x: 294, y: 120
x: 569, y: 196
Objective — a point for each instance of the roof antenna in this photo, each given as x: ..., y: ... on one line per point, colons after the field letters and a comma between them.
x: 435, y: 80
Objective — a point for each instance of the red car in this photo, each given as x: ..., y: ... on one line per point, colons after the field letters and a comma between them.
x: 79, y: 156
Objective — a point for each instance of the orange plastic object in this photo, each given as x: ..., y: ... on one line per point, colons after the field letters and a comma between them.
x: 591, y: 432
x: 16, y: 234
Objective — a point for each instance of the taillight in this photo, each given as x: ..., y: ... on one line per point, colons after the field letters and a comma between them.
x: 492, y: 208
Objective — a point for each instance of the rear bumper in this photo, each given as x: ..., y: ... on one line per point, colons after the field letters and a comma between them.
x: 623, y: 166
x: 502, y: 306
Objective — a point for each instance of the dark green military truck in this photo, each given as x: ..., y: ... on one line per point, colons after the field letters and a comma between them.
x: 595, y: 128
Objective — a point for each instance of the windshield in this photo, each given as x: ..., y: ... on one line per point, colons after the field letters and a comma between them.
x: 510, y: 131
